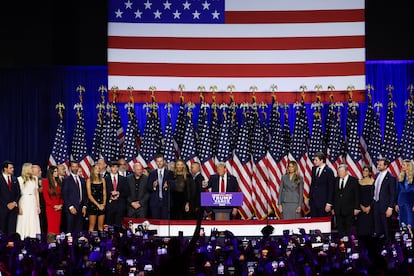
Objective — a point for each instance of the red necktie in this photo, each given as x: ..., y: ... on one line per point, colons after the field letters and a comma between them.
x: 114, y: 183
x: 9, y: 183
x: 222, y: 187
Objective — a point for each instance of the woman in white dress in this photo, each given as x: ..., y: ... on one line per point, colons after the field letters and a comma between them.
x: 28, y: 223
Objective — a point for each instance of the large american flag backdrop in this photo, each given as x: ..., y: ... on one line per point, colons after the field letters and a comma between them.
x: 165, y: 43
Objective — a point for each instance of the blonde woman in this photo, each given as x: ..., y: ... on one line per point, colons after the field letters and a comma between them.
x: 28, y: 223
x: 405, y: 193
x: 291, y: 193
x: 182, y: 193
x: 96, y: 189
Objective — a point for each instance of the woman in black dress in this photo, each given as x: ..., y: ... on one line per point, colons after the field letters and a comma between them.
x: 365, y: 223
x: 95, y: 187
x: 182, y: 191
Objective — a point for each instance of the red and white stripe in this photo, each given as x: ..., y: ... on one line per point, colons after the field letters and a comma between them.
x: 275, y: 170
x: 262, y: 201
x: 208, y: 168
x: 243, y: 173
x: 355, y: 169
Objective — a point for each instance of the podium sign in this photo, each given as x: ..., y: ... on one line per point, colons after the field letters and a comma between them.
x: 221, y: 199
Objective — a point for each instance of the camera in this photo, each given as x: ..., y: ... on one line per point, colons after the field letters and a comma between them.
x: 60, y: 272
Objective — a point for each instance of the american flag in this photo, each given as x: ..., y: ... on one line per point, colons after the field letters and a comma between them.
x: 117, y: 126
x: 407, y: 138
x: 237, y: 42
x: 299, y: 148
x: 276, y: 155
x: 168, y: 147
x: 204, y: 145
x: 110, y: 145
x: 132, y: 138
x: 262, y: 199
x: 150, y: 146
x: 335, y: 143
x: 371, y: 138
x: 59, y: 154
x: 214, y: 127
x: 390, y: 148
x: 242, y: 164
x: 287, y: 136
x: 354, y: 155
x: 79, y: 150
x: 234, y: 127
x: 188, y: 151
x: 179, y: 130
x: 223, y: 149
x: 316, y: 140
x: 97, y: 140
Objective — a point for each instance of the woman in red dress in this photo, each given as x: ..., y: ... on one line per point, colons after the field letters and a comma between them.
x: 53, y: 199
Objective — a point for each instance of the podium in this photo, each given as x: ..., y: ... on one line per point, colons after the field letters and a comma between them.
x: 221, y: 203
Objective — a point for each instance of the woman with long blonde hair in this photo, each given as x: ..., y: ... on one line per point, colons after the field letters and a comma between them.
x: 28, y: 222
x: 291, y: 192
x: 405, y: 193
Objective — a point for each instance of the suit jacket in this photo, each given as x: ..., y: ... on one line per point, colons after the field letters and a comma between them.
x: 195, y: 201
x: 347, y: 200
x: 232, y: 185
x: 70, y: 193
x: 322, y: 187
x: 123, y: 189
x: 387, y: 196
x: 138, y: 193
x: 154, y: 193
x: 6, y: 195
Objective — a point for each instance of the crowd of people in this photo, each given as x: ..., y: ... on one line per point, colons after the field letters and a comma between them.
x: 33, y: 207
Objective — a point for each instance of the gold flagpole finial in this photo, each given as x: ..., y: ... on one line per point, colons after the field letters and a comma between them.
x: 131, y: 97
x: 60, y: 107
x: 350, y: 89
x: 103, y: 90
x: 115, y: 91
x: 81, y: 90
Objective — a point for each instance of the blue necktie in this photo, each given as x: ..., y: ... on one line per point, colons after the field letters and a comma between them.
x: 160, y: 184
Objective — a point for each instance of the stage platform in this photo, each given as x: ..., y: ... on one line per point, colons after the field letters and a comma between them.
x: 171, y: 228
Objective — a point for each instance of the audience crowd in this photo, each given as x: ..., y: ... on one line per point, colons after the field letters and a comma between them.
x: 64, y: 224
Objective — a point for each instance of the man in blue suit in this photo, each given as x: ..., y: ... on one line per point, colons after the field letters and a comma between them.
x: 322, y: 187
x: 160, y: 184
x: 75, y: 199
x: 9, y: 198
x: 223, y: 182
x: 384, y: 199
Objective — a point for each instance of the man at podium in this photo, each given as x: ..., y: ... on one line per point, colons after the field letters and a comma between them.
x: 223, y: 182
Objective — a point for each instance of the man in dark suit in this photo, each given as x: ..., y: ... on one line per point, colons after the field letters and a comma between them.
x: 123, y: 167
x: 138, y: 193
x: 160, y: 184
x: 200, y: 185
x: 9, y: 197
x: 103, y: 167
x: 223, y: 182
x: 346, y: 201
x: 384, y: 199
x: 322, y: 187
x: 75, y: 199
x: 117, y: 191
